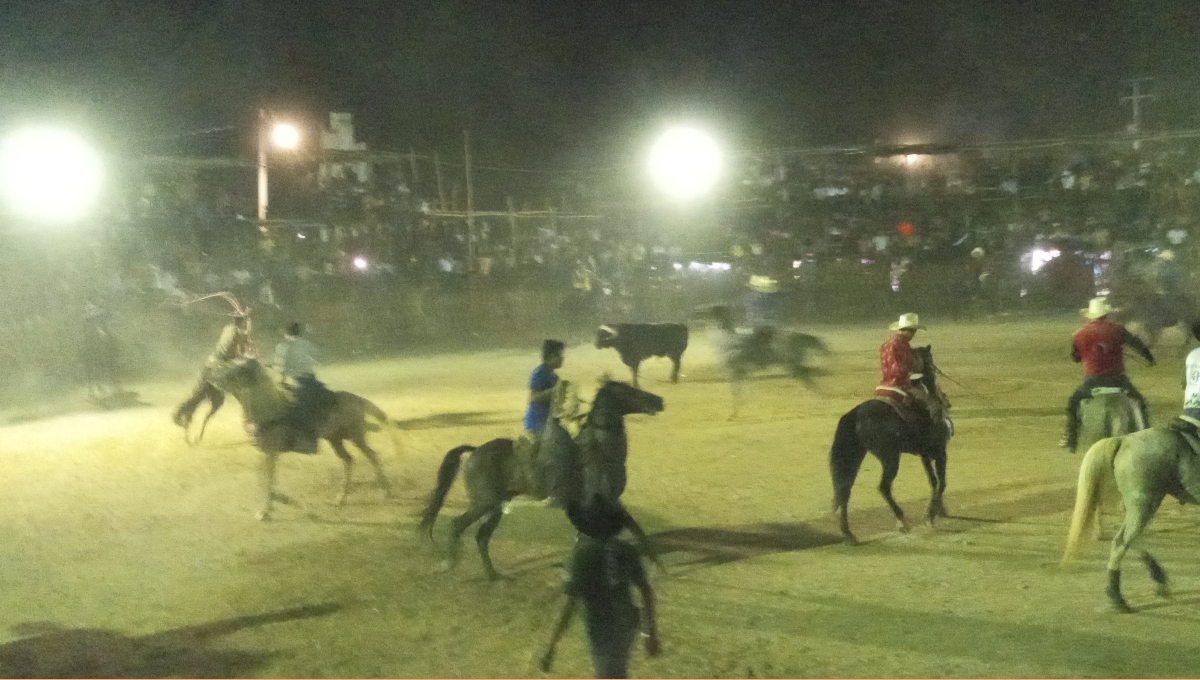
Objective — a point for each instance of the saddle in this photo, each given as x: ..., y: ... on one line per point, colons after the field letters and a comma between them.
x: 910, y: 410
x: 1189, y: 430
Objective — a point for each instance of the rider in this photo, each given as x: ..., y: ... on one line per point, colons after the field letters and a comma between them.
x: 1191, y: 394
x: 233, y: 344
x: 296, y: 360
x: 899, y: 364
x: 762, y: 311
x: 541, y: 392
x: 1098, y: 346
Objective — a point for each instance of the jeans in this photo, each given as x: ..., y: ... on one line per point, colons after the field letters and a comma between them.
x: 1084, y: 391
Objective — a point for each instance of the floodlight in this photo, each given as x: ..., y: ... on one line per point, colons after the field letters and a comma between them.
x: 49, y: 174
x: 685, y: 162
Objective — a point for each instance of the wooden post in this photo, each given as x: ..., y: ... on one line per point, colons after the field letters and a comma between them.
x: 470, y: 201
x: 512, y: 227
x: 437, y: 169
x: 412, y: 161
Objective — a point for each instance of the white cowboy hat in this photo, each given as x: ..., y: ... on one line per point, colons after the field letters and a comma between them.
x: 763, y: 284
x: 1098, y: 307
x: 977, y: 253
x: 1167, y: 255
x: 906, y: 322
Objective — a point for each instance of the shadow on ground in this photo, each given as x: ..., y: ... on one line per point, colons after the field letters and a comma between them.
x: 722, y: 545
x: 50, y: 651
x: 459, y: 419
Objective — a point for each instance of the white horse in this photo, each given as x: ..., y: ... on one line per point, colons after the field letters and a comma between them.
x: 1146, y: 466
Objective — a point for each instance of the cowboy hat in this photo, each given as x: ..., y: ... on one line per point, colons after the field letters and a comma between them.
x: 907, y: 322
x: 763, y: 284
x: 1098, y: 307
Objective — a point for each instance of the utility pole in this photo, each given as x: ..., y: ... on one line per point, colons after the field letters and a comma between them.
x: 437, y: 169
x: 470, y: 201
x: 262, y: 164
x: 1136, y: 100
x: 512, y: 226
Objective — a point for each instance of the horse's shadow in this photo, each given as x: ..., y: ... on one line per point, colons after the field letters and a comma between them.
x: 458, y: 419
x: 712, y: 546
x: 48, y: 651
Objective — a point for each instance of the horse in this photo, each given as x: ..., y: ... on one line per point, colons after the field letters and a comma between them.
x: 878, y: 426
x: 341, y: 416
x: 741, y: 353
x: 593, y: 462
x: 1109, y: 412
x: 1146, y: 466
x: 215, y: 397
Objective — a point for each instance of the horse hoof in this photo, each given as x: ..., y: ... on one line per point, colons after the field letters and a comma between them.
x: 849, y: 539
x: 1162, y: 590
x: 1121, y: 607
x: 903, y: 528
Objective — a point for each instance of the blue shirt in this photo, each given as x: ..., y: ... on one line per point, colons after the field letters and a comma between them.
x: 543, y: 378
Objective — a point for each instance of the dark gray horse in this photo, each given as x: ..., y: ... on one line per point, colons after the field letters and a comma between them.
x: 877, y: 426
x: 743, y: 353
x: 594, y: 462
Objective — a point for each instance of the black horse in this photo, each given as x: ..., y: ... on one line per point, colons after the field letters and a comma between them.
x: 593, y: 462
x: 877, y: 426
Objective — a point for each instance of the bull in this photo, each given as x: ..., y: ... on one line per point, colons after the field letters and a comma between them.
x: 638, y: 341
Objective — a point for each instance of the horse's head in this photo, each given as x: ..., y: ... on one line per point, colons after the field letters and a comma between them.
x: 626, y: 399
x: 929, y: 370
x: 606, y: 336
x: 239, y: 376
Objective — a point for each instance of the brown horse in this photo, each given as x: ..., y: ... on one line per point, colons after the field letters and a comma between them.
x: 343, y: 416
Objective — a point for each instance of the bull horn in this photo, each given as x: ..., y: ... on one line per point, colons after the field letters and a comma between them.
x: 610, y: 330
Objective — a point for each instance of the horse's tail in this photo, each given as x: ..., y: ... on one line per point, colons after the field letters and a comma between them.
x: 445, y: 478
x: 370, y: 410
x: 1093, y: 472
x: 845, y: 457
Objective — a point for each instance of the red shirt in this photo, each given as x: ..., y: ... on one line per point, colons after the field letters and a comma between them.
x: 897, y: 360
x: 1098, y: 346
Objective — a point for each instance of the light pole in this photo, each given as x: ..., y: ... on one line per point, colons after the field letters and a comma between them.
x: 282, y: 135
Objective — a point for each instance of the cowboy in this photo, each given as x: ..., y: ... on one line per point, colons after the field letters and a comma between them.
x: 1191, y: 391
x: 762, y: 311
x: 602, y: 571
x: 1098, y: 346
x: 900, y: 365
x: 541, y: 395
x: 296, y: 360
x: 234, y: 344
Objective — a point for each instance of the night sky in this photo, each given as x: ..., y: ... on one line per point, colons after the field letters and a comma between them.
x: 560, y: 83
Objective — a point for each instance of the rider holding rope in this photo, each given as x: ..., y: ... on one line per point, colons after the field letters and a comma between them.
x: 1098, y: 346
x: 234, y: 344
x: 900, y: 364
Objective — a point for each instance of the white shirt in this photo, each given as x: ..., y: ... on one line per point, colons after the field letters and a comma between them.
x: 1191, y: 394
x: 296, y: 356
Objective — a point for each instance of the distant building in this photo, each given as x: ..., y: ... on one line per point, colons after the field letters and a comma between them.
x: 340, y: 137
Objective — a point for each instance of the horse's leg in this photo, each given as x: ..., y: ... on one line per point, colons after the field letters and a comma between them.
x: 483, y: 536
x: 675, y: 360
x: 360, y: 440
x: 891, y: 467
x: 457, y: 526
x: 845, y: 472
x: 1157, y: 574
x: 268, y: 485
x: 634, y: 367
x: 934, y: 497
x: 643, y: 541
x: 347, y: 468
x: 216, y: 399
x: 1137, y: 515
x: 939, y: 466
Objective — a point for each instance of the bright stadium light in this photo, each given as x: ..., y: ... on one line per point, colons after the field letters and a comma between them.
x: 685, y: 162
x: 285, y: 136
x: 48, y: 174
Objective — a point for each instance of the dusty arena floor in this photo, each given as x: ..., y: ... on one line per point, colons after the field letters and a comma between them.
x: 127, y: 553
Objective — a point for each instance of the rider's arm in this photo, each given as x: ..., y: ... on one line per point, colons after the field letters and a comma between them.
x: 1136, y: 343
x: 1075, y: 356
x: 541, y: 396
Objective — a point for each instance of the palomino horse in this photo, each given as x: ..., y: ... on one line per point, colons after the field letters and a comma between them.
x: 595, y: 463
x: 342, y: 416
x: 1146, y: 466
x: 877, y: 426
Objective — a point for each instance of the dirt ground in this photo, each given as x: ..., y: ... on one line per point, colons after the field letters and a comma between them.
x: 127, y: 553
